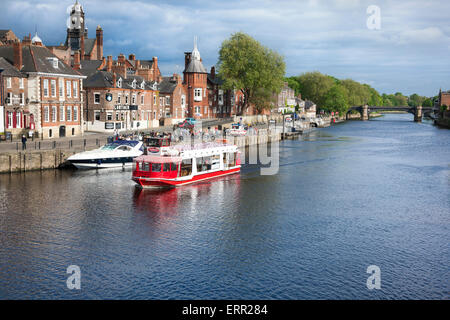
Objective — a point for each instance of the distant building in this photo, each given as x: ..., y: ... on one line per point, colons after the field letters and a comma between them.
x: 444, y: 99
x: 7, y: 37
x: 285, y: 100
x: 172, y: 97
x: 310, y: 109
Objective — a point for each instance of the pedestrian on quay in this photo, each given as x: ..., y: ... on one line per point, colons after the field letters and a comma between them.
x: 24, y: 142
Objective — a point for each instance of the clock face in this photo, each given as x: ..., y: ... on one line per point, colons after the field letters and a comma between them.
x: 108, y: 97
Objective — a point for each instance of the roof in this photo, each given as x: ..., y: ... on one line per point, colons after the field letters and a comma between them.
x: 104, y: 79
x: 88, y: 67
x: 309, y: 104
x: 167, y: 85
x: 4, y: 32
x: 215, y: 80
x: 195, y: 66
x: 89, y: 45
x: 9, y: 70
x: 146, y: 63
x: 36, y: 59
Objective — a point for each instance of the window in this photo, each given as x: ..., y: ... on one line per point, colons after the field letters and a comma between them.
x: 166, y: 167
x: 21, y: 83
x: 75, y: 113
x: 68, y: 89
x: 133, y: 99
x: 10, y: 120
x: 117, y: 116
x: 143, y: 85
x: 145, y: 166
x: 46, y: 114
x: 9, y: 98
x: 22, y: 98
x: 50, y: 133
x: 69, y: 113
x: 156, y: 167
x: 134, y: 84
x: 198, y: 94
x: 183, y: 100
x: 126, y: 99
x: 96, y: 98
x: 75, y: 89
x: 53, y: 113
x: 97, y: 115
x: 161, y: 101
x: 8, y: 82
x: 109, y: 116
x: 142, y: 99
x: 197, y: 110
x: 18, y: 118
x: 45, y: 88
x: 61, y: 88
x: 119, y: 83
x: 119, y: 98
x: 167, y: 100
x: 154, y: 100
x: 53, y: 88
x: 61, y: 113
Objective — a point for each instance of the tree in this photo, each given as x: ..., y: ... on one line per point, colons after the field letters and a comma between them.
x: 358, y: 94
x: 336, y: 99
x: 244, y: 64
x: 293, y: 84
x: 314, y: 86
x: 427, y: 102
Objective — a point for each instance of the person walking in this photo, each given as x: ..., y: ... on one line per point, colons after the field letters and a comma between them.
x: 24, y: 142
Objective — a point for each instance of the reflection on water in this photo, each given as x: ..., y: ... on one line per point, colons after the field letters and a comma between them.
x: 345, y: 197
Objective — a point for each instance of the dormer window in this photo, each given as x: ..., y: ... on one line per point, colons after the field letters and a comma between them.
x: 134, y: 84
x: 119, y: 83
x: 54, y: 62
x: 143, y: 85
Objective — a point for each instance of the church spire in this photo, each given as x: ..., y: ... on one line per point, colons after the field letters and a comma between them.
x: 195, y: 52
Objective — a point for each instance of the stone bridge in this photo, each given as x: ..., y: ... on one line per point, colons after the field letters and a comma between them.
x: 366, y: 110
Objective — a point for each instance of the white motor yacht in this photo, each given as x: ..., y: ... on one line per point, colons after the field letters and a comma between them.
x: 119, y: 153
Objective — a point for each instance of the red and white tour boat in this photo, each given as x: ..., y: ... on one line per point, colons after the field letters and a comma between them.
x: 172, y: 166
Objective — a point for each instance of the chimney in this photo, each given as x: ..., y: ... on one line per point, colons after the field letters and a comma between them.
x: 99, y: 36
x: 132, y: 57
x: 121, y: 58
x: 114, y: 80
x: 137, y: 64
x: 155, y: 68
x: 109, y: 64
x: 26, y: 40
x: 17, y: 55
x: 76, y: 60
x: 82, y: 47
x: 213, y: 72
x: 187, y: 59
x: 176, y: 78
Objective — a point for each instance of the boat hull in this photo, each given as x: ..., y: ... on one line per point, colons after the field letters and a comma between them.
x: 173, y: 183
x: 102, y: 163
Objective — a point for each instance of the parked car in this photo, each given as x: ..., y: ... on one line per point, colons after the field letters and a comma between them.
x: 191, y: 120
x: 288, y: 119
x: 186, y: 124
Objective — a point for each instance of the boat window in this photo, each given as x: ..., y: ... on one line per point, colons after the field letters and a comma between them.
x: 166, y: 167
x: 165, y: 143
x: 145, y: 166
x: 231, y: 159
x: 203, y: 164
x: 186, y: 167
x: 173, y: 167
x: 156, y: 167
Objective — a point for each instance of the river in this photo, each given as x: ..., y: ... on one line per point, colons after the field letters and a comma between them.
x: 345, y: 197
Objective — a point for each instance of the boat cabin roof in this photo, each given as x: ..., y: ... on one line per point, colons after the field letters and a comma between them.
x: 158, y: 159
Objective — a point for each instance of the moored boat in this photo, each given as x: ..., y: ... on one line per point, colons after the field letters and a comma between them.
x: 119, y: 153
x: 184, y: 164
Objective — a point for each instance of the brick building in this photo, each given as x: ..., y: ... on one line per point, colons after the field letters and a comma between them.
x: 444, y: 99
x: 7, y: 37
x: 195, y: 83
x: 172, y: 99
x: 120, y: 101
x: 51, y: 103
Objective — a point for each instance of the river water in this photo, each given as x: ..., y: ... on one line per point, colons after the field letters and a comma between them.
x: 345, y: 197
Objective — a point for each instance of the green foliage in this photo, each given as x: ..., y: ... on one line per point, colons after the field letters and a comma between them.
x: 314, y: 86
x: 336, y: 99
x: 293, y: 84
x: 427, y: 102
x: 244, y: 64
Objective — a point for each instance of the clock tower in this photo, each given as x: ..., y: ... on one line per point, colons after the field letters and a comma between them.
x: 76, y: 27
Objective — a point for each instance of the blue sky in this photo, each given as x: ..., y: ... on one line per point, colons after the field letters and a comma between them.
x: 410, y: 53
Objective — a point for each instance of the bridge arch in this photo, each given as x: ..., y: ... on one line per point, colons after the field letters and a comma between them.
x: 365, y: 111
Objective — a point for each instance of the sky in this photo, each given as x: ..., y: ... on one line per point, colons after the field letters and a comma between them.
x: 408, y: 51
